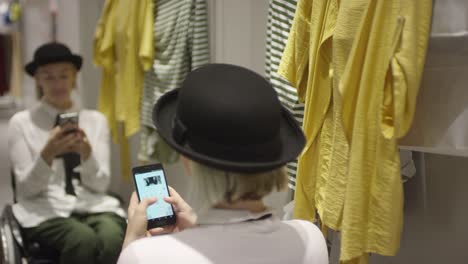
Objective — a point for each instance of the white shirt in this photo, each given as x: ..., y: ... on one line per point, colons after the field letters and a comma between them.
x: 227, y: 237
x: 41, y: 188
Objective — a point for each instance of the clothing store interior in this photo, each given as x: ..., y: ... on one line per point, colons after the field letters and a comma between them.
x: 234, y: 131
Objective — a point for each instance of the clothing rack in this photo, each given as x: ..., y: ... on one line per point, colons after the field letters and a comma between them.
x: 10, y: 14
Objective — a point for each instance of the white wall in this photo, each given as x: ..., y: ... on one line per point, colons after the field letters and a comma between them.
x: 36, y: 25
x: 238, y: 32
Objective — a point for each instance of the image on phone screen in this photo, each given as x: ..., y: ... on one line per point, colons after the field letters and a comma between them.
x: 153, y: 184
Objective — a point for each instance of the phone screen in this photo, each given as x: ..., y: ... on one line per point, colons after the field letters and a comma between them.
x: 153, y: 184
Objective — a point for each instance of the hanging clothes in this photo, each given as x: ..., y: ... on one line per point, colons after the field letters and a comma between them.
x: 180, y: 46
x: 307, y: 64
x: 360, y: 87
x: 280, y: 18
x: 382, y: 47
x: 441, y: 120
x: 123, y: 48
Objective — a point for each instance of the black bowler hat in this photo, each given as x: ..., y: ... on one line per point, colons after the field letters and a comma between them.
x: 51, y: 53
x: 229, y: 118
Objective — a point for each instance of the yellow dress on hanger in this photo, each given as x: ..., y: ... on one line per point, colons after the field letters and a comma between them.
x: 379, y: 51
x: 372, y: 53
x: 124, y: 48
x: 104, y: 56
x: 307, y: 64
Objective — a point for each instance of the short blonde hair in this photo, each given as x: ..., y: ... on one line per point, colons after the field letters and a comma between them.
x: 211, y: 186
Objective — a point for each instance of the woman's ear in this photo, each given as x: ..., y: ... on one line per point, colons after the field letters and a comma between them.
x: 187, y: 165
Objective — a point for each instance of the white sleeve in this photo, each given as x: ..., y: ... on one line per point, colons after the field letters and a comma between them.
x: 316, y: 246
x: 95, y: 171
x: 128, y: 256
x: 31, y: 173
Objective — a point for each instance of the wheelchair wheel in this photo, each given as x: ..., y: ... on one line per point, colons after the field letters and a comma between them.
x: 9, y: 252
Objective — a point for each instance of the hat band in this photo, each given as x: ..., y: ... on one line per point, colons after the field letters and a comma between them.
x: 262, y: 152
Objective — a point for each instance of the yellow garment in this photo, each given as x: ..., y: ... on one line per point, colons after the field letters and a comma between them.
x: 375, y: 44
x: 123, y: 47
x: 334, y: 151
x: 306, y: 63
x: 381, y: 47
x: 104, y: 56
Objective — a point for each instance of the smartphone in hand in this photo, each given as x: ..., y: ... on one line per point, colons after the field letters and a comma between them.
x: 150, y: 181
x: 68, y: 121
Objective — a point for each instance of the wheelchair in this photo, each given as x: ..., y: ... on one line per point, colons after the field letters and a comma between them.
x: 14, y: 248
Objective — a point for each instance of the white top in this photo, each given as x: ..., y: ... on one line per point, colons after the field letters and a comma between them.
x: 228, y: 238
x: 41, y: 188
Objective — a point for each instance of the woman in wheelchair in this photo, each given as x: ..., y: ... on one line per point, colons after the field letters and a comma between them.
x: 61, y: 166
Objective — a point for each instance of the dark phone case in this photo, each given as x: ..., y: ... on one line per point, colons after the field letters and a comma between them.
x: 156, y: 222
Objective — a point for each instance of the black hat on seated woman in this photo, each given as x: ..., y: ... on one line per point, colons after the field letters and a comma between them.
x: 52, y: 53
x: 229, y: 118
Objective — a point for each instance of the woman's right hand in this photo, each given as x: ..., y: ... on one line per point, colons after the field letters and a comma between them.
x: 186, y: 217
x: 59, y: 142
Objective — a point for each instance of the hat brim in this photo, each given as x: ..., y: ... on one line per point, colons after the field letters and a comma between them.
x: 76, y: 60
x: 291, y: 136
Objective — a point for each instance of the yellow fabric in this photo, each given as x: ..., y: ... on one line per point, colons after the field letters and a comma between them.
x: 104, y: 56
x: 334, y: 152
x: 306, y: 63
x: 357, y: 65
x: 383, y: 44
x: 123, y: 48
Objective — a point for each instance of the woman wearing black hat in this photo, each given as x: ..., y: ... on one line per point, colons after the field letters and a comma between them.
x: 235, y: 138
x: 62, y: 172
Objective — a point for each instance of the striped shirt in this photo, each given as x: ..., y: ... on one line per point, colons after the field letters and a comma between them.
x: 280, y: 18
x: 181, y: 45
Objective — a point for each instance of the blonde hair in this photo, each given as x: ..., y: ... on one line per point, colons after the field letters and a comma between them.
x: 211, y: 186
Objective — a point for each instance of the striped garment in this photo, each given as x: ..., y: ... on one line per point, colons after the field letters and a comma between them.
x: 181, y: 45
x: 280, y: 18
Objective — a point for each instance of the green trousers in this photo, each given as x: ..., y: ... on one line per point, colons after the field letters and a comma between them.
x: 82, y: 238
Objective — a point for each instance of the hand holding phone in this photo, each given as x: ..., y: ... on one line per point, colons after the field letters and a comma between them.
x: 137, y: 225
x: 150, y: 182
x: 58, y: 143
x: 138, y: 222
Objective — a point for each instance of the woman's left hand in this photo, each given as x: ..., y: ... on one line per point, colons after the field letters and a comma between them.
x: 137, y: 221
